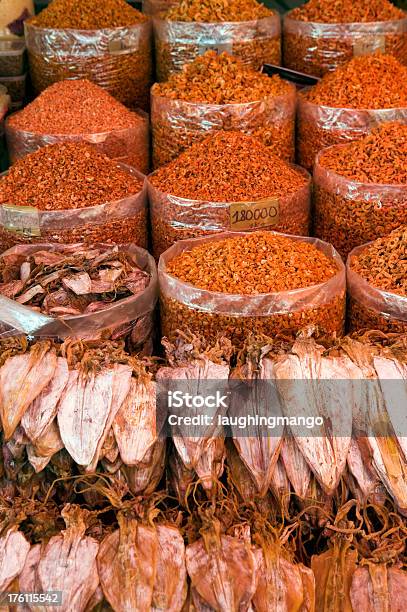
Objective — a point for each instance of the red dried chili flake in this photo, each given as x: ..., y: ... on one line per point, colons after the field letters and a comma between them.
x: 367, y: 82
x: 347, y: 11
x: 66, y: 176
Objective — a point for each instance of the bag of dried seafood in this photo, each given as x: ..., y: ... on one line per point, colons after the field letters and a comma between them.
x: 81, y: 291
x: 244, y: 28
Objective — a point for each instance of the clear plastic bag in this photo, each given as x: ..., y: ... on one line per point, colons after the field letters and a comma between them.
x: 177, y: 124
x: 177, y: 43
x: 117, y: 59
x: 319, y: 127
x: 207, y: 313
x: 174, y: 218
x: 129, y: 146
x: 370, y: 307
x: 123, y: 221
x: 318, y: 48
x: 349, y: 214
x: 131, y: 318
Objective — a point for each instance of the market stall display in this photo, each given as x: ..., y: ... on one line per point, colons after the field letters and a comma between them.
x: 261, y: 282
x: 217, y: 92
x: 321, y: 35
x: 69, y: 192
x: 79, y: 110
x: 377, y: 284
x: 228, y: 181
x: 360, y: 188
x: 349, y: 102
x: 232, y: 449
x: 243, y: 28
x: 108, y: 43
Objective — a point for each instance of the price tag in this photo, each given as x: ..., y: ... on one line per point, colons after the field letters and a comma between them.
x: 252, y: 215
x: 23, y: 220
x: 218, y: 47
x: 369, y: 43
x: 119, y: 45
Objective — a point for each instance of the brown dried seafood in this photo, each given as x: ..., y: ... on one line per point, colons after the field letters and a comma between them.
x: 142, y: 566
x: 245, y: 563
x: 70, y: 280
x: 352, y: 390
x: 91, y: 399
x: 194, y: 369
x: 362, y: 568
x: 258, y: 451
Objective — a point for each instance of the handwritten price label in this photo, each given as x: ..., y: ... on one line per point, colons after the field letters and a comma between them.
x: 23, y: 220
x: 252, y: 215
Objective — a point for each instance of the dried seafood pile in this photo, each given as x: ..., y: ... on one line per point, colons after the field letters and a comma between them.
x: 358, y: 387
x: 286, y: 521
x: 88, y: 289
x: 216, y: 556
x: 72, y: 280
x: 85, y: 404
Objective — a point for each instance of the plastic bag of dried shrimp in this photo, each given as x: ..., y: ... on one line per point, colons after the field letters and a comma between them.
x: 350, y: 213
x: 128, y: 146
x: 123, y: 220
x: 218, y: 92
x: 372, y: 307
x: 177, y: 124
x: 322, y: 126
x: 178, y: 43
x: 316, y: 48
x: 179, y: 218
x: 118, y: 59
x: 224, y: 297
x: 348, y: 103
